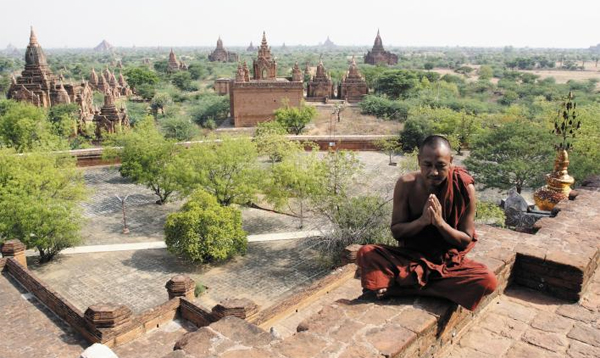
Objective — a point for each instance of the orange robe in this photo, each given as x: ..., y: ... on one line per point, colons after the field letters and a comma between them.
x: 426, y: 264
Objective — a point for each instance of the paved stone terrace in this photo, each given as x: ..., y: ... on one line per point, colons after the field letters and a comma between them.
x: 527, y: 323
x: 156, y: 343
x: 28, y: 329
x: 266, y: 274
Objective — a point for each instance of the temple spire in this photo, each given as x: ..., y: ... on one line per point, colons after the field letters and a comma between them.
x: 32, y: 38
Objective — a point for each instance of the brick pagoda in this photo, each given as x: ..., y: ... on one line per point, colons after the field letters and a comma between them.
x: 222, y: 55
x: 379, y: 55
x: 353, y: 87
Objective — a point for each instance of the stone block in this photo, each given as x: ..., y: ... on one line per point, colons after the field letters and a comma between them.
x: 301, y: 345
x: 107, y: 315
x: 521, y: 350
x: 582, y: 350
x: 551, y: 341
x: 181, y: 286
x: 242, y: 332
x: 503, y: 325
x: 486, y: 342
x: 197, y: 343
x: 238, y: 307
x: 379, y: 338
x: 585, y: 334
x: 577, y: 312
x: 551, y: 322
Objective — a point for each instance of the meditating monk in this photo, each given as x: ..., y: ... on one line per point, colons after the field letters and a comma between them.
x: 433, y: 222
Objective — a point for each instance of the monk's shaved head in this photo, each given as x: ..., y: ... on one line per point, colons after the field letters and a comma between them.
x: 435, y: 142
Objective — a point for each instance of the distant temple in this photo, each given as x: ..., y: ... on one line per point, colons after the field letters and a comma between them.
x: 379, y: 55
x: 253, y: 100
x: 328, y: 43
x: 353, y: 87
x: 38, y: 86
x: 222, y: 55
x: 107, y: 82
x: 320, y: 87
x: 251, y: 48
x: 174, y: 64
x: 103, y: 46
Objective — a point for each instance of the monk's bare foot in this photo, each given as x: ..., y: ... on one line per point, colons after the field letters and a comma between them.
x: 381, y: 293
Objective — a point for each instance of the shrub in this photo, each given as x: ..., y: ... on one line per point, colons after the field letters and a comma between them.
x: 359, y: 220
x: 489, y: 213
x: 382, y: 107
x: 178, y: 128
x: 204, y: 231
x: 210, y: 107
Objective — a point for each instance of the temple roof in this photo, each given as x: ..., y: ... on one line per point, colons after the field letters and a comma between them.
x: 34, y: 55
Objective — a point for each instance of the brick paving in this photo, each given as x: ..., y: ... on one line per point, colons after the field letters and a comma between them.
x: 267, y: 273
x: 29, y: 329
x: 527, y: 323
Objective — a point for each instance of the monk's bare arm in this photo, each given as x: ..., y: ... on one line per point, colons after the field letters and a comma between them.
x: 402, y: 227
x: 466, y: 228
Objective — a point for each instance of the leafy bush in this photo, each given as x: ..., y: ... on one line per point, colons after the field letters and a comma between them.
x: 210, y: 107
x: 294, y: 119
x: 414, y: 132
x: 385, y: 108
x: 178, y: 128
x: 204, y: 231
x: 490, y: 213
x: 358, y: 220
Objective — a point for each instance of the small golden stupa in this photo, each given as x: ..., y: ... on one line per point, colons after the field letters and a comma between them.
x: 558, y: 183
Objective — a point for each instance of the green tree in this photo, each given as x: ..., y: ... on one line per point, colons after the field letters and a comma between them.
x: 159, y: 102
x: 390, y: 146
x: 295, y: 119
x: 40, y: 197
x: 25, y: 127
x: 63, y: 118
x: 149, y: 159
x: 182, y: 80
x: 485, y: 72
x: 203, y: 231
x: 226, y: 168
x: 517, y: 154
x: 178, y: 128
x: 138, y: 76
x: 210, y: 107
x: 397, y: 83
x: 294, y: 181
x: 271, y: 141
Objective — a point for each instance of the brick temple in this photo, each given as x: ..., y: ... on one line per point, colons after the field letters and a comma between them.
x: 222, y: 55
x: 253, y: 100
x: 353, y: 86
x: 40, y: 87
x: 174, y: 64
x: 108, y: 82
x: 379, y: 55
x: 320, y: 87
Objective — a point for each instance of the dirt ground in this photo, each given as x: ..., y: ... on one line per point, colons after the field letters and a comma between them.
x: 352, y: 122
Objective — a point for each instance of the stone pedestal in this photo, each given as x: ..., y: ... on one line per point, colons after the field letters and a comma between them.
x: 16, y: 249
x: 107, y: 315
x: 181, y: 286
x: 238, y: 307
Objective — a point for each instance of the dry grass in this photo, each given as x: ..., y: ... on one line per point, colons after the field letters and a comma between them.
x: 352, y: 122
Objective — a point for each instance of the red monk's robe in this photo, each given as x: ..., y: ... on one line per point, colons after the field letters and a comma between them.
x: 426, y: 264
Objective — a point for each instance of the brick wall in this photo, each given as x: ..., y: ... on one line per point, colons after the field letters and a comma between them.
x: 254, y: 102
x: 50, y: 298
x: 195, y: 314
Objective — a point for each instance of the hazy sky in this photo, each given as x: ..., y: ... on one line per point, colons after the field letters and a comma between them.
x: 84, y: 23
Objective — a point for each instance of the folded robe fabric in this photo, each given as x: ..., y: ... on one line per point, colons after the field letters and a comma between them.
x: 427, y: 262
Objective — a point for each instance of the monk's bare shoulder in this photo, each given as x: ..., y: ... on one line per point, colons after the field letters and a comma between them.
x: 407, y: 181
